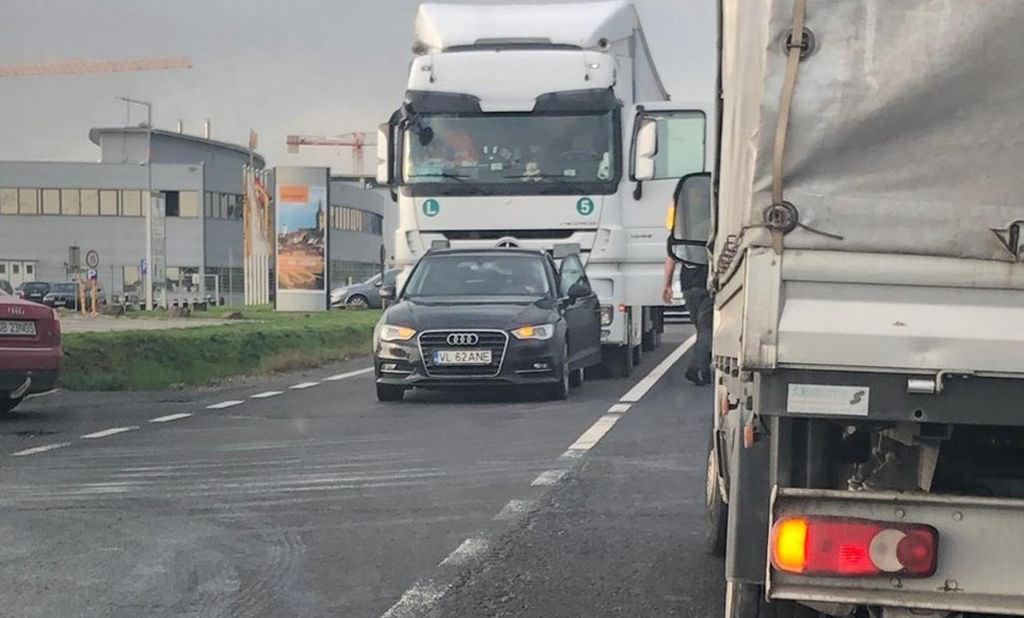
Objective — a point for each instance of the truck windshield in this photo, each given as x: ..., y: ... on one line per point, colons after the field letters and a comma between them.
x: 473, y: 275
x: 513, y: 153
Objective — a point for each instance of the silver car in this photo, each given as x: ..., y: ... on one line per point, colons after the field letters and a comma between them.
x: 363, y: 295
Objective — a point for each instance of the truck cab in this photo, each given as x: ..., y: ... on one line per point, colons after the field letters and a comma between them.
x: 520, y: 129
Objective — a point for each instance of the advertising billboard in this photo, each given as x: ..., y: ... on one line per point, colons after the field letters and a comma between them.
x: 300, y: 225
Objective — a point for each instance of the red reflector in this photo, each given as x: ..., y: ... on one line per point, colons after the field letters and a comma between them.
x: 622, y: 308
x: 853, y: 547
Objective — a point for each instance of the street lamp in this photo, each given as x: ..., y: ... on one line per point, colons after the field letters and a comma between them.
x: 147, y: 277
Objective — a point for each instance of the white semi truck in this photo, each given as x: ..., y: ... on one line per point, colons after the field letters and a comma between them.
x: 867, y: 450
x: 519, y: 128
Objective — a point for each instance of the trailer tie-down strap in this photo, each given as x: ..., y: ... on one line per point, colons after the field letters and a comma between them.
x: 782, y: 217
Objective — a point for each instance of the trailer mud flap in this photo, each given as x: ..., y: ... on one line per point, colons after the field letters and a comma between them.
x: 980, y: 542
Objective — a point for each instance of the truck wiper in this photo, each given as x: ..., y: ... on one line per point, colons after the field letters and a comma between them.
x: 560, y: 180
x: 456, y: 177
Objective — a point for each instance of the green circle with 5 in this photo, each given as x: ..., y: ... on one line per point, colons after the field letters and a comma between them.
x: 585, y: 206
x: 431, y: 207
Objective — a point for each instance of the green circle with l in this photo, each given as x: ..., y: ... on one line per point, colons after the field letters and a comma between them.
x: 431, y: 208
x: 585, y: 206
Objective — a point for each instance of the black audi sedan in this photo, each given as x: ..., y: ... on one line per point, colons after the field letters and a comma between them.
x: 469, y: 317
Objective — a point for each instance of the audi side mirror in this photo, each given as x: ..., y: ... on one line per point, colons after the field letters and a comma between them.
x: 579, y: 290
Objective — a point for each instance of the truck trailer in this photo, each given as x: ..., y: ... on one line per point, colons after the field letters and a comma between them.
x: 519, y: 128
x: 866, y: 456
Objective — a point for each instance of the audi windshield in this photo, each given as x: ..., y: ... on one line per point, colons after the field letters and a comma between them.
x: 512, y: 154
x: 444, y: 276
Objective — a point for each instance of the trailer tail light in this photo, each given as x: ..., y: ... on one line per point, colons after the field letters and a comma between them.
x: 841, y: 547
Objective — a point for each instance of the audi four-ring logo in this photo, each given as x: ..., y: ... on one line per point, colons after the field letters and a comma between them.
x: 462, y: 339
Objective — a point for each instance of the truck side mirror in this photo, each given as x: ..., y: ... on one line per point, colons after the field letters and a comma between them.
x: 646, y: 150
x: 387, y: 292
x: 691, y: 228
x: 384, y: 175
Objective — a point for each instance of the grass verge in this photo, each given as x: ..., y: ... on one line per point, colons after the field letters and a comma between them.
x: 264, y: 342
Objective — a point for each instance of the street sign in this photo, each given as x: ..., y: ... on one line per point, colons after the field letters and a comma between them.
x: 142, y: 267
x: 93, y: 275
x: 92, y: 258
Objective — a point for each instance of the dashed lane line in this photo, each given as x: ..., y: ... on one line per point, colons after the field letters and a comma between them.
x: 40, y: 449
x: 514, y: 510
x: 349, y: 374
x: 170, y: 417
x: 224, y: 404
x: 467, y: 551
x: 638, y: 391
x: 266, y: 394
x: 593, y: 435
x: 113, y: 431
x: 424, y: 595
x: 548, y: 478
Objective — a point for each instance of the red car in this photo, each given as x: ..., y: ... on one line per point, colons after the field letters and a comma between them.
x: 30, y: 350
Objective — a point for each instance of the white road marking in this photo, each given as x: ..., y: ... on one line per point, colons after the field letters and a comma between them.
x: 350, y: 374
x: 40, y: 449
x: 224, y: 404
x: 514, y: 509
x: 303, y: 385
x: 592, y: 436
x: 548, y: 477
x: 113, y: 431
x: 424, y: 595
x: 640, y: 389
x: 52, y: 391
x: 266, y: 394
x: 170, y: 417
x: 416, y: 600
x: 466, y: 551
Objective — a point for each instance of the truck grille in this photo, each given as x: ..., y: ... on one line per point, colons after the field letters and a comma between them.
x: 494, y: 340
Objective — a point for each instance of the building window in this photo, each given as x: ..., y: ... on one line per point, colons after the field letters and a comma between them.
x: 70, y: 202
x: 90, y: 202
x: 28, y: 201
x: 131, y: 203
x: 171, y: 206
x: 208, y: 205
x: 188, y: 204
x: 51, y: 202
x: 30, y: 270
x: 8, y: 201
x: 108, y: 203
x: 355, y: 220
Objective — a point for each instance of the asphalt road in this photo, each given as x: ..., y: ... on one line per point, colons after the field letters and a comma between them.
x: 312, y: 499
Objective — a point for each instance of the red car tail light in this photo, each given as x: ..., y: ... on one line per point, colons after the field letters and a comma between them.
x: 843, y: 547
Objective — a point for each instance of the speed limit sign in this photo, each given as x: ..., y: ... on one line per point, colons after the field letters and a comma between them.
x: 92, y: 258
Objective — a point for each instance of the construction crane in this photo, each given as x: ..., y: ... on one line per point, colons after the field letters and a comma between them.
x: 356, y: 141
x: 77, y: 67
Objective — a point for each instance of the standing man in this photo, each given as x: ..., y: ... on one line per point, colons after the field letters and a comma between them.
x: 693, y: 280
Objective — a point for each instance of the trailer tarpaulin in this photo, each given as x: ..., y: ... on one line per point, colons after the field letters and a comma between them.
x: 906, y: 130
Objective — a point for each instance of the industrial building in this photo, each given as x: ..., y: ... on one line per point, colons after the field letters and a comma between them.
x: 58, y: 218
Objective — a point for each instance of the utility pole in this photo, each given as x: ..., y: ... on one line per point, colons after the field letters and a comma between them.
x: 148, y: 212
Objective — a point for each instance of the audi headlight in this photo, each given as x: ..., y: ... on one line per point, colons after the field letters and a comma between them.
x: 542, y: 332
x: 389, y: 332
x: 607, y: 315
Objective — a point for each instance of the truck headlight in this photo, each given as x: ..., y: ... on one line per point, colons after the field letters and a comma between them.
x: 389, y: 332
x: 542, y: 332
x: 607, y: 315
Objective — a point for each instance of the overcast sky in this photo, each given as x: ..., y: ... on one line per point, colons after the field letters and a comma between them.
x: 295, y: 66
